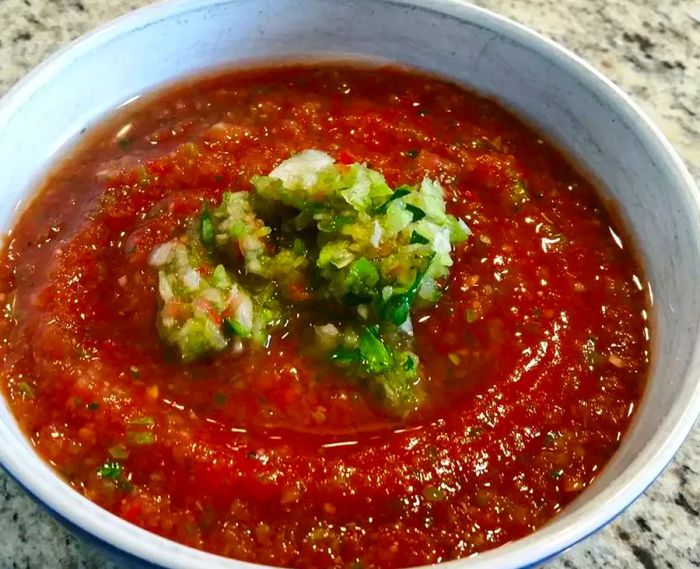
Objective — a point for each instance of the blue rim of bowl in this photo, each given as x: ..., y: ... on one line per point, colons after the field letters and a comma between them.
x: 117, y: 537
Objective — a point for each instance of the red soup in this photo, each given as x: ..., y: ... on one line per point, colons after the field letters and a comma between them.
x: 416, y: 340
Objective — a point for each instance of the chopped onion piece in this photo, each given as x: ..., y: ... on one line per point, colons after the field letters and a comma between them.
x: 161, y: 254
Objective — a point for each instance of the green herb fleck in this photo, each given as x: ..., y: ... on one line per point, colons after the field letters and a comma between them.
x: 125, y: 142
x: 417, y: 212
x: 519, y: 194
x: 434, y: 494
x: 119, y: 451
x: 26, y: 390
x: 354, y: 299
x: 110, y: 470
x: 397, y: 308
x: 142, y: 438
x: 550, y: 437
x: 299, y: 247
x: 556, y: 474
x: 371, y: 352
x: 471, y: 315
x: 591, y: 356
x: 235, y: 328
x: 345, y: 356
x: 207, y: 232
x: 376, y: 357
x: 362, y: 277
x: 220, y: 399
x: 144, y: 177
x: 417, y: 238
x: 399, y: 193
x: 142, y: 421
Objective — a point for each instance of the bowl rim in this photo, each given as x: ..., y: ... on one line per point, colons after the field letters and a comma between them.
x: 117, y: 535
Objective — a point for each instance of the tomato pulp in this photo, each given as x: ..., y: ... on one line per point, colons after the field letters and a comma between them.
x: 535, y: 357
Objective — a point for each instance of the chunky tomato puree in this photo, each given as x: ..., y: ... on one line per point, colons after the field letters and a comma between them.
x: 533, y: 359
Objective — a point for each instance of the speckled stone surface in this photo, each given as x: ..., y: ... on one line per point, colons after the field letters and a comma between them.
x: 651, y: 48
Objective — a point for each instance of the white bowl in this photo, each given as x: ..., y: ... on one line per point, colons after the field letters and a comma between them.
x: 566, y: 99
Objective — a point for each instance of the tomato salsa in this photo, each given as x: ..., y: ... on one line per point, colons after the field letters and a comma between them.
x: 323, y: 316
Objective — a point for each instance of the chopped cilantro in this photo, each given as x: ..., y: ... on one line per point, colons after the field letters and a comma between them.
x: 374, y: 354
x: 110, y: 470
x: 399, y: 193
x: 417, y: 212
x: 556, y: 473
x: 417, y: 238
x: 235, y: 328
x: 396, y: 309
x: 206, y: 228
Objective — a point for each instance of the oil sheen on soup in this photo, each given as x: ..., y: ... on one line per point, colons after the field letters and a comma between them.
x: 323, y: 316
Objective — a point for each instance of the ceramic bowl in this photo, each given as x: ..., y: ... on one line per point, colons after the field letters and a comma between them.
x: 568, y: 101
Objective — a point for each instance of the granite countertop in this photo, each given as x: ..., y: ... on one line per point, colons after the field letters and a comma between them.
x: 651, y: 48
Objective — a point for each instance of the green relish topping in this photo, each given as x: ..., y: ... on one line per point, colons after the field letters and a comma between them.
x: 327, y: 235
